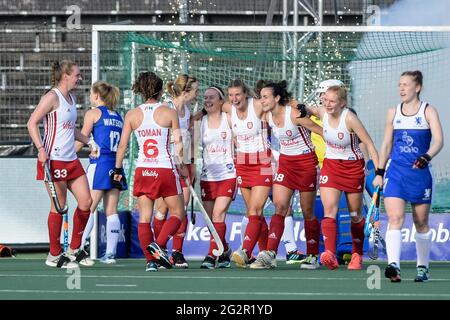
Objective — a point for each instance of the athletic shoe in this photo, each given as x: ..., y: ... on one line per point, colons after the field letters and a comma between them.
x: 295, y: 257
x: 265, y: 260
x: 160, y: 255
x: 423, y: 274
x: 151, y: 266
x: 108, y: 258
x: 60, y: 261
x: 356, y: 262
x: 208, y: 263
x: 224, y: 259
x: 328, y: 259
x: 393, y: 272
x: 311, y: 262
x: 239, y: 257
x: 80, y: 256
x: 178, y: 260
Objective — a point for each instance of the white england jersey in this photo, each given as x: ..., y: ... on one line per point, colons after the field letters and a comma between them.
x: 293, y: 139
x: 184, y: 128
x: 153, y: 141
x: 217, y: 143
x: 248, y: 132
x: 341, y: 144
x: 59, y: 134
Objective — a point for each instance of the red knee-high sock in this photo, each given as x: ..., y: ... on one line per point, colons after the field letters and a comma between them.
x: 357, y: 230
x: 170, y: 227
x: 263, y: 234
x: 275, y: 232
x: 157, y: 226
x: 329, y: 232
x: 251, y: 234
x: 145, y: 236
x: 312, y: 234
x: 221, y: 229
x: 54, y: 232
x: 178, y: 237
x: 80, y: 218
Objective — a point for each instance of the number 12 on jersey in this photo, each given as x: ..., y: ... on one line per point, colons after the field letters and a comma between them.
x: 114, y: 137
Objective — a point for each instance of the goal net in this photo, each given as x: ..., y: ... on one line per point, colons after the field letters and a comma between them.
x: 368, y: 60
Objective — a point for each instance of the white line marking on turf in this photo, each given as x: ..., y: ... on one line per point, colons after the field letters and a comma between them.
x: 116, y: 285
x: 240, y: 293
x: 198, y: 277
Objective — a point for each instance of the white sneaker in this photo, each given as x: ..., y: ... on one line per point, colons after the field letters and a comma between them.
x: 265, y: 260
x: 239, y: 257
x: 80, y: 256
x: 108, y: 258
x: 61, y: 261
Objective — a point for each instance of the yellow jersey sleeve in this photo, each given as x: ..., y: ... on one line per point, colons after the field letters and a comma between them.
x: 318, y: 142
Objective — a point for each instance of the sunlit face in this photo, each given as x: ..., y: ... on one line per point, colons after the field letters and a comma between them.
x: 332, y: 103
x: 192, y: 94
x: 237, y: 97
x: 74, y: 78
x: 408, y: 89
x: 212, y: 101
x: 268, y: 100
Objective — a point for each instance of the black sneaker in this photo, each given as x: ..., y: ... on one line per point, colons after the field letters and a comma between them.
x: 393, y: 272
x: 151, y: 266
x: 208, y: 263
x: 295, y: 257
x: 423, y: 274
x: 178, y: 260
x: 160, y: 255
x: 224, y: 260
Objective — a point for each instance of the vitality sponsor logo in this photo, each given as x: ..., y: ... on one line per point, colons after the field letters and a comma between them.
x: 150, y: 173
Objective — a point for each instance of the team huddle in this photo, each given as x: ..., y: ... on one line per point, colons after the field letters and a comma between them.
x: 236, y: 134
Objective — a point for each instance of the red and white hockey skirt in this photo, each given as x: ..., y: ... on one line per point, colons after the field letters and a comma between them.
x: 61, y: 170
x: 211, y: 190
x: 298, y: 172
x: 156, y: 182
x: 344, y: 175
x: 254, y: 169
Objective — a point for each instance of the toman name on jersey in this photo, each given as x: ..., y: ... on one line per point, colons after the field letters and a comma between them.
x: 153, y: 141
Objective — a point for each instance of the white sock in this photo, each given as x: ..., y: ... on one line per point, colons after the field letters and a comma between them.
x: 288, y: 237
x: 87, y: 230
x: 244, y: 224
x: 423, y: 247
x: 112, y: 233
x: 394, y: 246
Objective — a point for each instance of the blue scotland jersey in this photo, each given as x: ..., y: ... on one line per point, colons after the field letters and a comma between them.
x: 412, y: 136
x: 107, y: 131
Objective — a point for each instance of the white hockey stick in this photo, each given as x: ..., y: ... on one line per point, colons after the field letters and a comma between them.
x: 217, y: 252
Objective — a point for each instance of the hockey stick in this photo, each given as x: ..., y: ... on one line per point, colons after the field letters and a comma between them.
x: 370, y: 215
x: 373, y: 225
x: 192, y: 211
x: 62, y: 211
x: 217, y: 252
